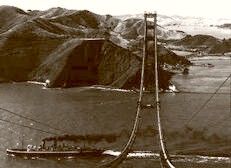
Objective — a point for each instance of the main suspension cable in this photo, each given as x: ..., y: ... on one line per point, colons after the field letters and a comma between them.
x: 25, y: 126
x: 206, y: 102
x: 30, y: 119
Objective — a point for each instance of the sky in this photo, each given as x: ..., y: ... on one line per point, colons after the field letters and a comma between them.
x: 197, y: 8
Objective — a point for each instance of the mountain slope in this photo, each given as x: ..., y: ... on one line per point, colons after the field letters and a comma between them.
x: 73, y: 48
x: 10, y: 17
x: 203, y: 43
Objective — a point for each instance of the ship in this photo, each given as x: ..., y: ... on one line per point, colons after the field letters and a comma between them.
x: 55, y: 153
x: 56, y: 147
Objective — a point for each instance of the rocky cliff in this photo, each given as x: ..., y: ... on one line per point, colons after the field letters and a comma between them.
x: 86, y: 62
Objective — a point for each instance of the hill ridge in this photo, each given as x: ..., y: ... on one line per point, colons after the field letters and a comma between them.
x: 41, y: 46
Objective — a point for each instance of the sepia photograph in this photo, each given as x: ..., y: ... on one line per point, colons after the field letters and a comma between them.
x: 115, y: 84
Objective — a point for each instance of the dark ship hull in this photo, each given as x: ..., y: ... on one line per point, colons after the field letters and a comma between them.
x: 55, y: 153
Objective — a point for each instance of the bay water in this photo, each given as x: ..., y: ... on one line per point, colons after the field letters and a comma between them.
x: 192, y: 124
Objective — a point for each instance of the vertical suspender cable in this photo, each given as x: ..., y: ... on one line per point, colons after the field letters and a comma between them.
x: 115, y: 162
x: 162, y: 145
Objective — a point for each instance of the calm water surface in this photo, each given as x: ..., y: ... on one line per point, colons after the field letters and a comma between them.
x: 92, y: 111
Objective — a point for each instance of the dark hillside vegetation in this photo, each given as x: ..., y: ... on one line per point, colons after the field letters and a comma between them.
x: 72, y: 48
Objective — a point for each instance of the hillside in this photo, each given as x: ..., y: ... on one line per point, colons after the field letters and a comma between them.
x: 203, y: 35
x: 71, y: 47
x: 11, y: 17
x: 202, y: 44
x: 217, y: 27
x: 87, y: 61
x: 225, y: 25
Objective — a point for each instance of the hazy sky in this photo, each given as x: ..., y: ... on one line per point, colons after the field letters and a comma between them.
x: 203, y: 8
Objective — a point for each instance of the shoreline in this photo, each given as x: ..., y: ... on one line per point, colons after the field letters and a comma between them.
x: 172, y: 87
x: 209, y: 57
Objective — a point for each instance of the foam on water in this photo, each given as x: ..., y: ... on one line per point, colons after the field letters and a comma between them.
x: 109, y: 88
x: 36, y: 82
x: 175, y: 158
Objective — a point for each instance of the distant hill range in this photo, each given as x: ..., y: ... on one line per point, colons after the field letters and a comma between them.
x: 202, y: 45
x: 78, y: 47
x: 203, y: 35
x: 217, y: 27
